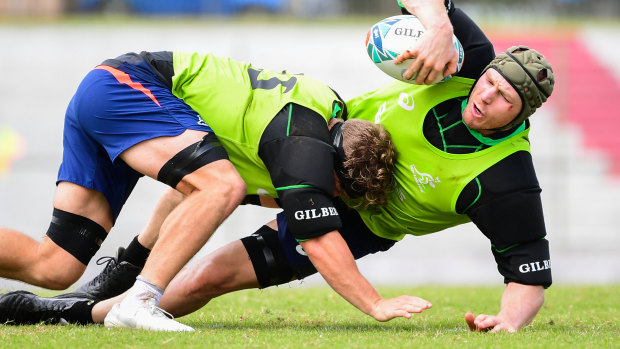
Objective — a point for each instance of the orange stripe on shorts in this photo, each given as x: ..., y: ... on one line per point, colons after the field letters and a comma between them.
x: 124, y: 78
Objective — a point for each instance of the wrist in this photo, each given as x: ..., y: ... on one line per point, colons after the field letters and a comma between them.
x: 443, y: 28
x: 373, y: 307
x: 509, y: 323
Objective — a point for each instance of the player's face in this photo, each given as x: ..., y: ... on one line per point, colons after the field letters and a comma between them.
x: 493, y: 103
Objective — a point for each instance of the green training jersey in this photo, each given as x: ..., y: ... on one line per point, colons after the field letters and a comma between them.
x: 429, y: 180
x: 238, y: 101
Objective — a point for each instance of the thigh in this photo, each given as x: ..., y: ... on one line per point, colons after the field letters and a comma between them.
x: 88, y: 175
x: 150, y: 156
x: 119, y: 110
x: 134, y: 117
x: 84, y: 202
x: 51, y: 265
x: 111, y: 112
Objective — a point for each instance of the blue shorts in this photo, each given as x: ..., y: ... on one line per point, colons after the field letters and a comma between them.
x: 112, y: 110
x: 359, y: 238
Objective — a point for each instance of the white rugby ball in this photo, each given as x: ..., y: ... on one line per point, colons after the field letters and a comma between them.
x: 394, y: 35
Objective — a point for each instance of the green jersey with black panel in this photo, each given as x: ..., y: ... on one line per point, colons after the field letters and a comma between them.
x: 429, y: 180
x: 238, y: 101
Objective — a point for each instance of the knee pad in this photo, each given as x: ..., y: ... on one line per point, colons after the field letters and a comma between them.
x: 268, y: 258
x: 188, y: 160
x: 78, y: 235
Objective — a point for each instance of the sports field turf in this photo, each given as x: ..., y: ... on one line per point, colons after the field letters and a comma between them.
x: 572, y: 317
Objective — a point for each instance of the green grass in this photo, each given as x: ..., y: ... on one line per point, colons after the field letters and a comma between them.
x: 572, y: 317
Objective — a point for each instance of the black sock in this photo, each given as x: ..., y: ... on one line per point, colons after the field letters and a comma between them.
x: 80, y: 313
x: 135, y: 253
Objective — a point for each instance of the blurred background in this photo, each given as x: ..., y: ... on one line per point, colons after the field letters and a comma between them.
x: 47, y: 46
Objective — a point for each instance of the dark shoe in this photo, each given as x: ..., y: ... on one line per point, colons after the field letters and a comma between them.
x: 113, y: 280
x: 26, y: 308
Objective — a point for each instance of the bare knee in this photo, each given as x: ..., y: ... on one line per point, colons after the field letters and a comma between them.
x: 225, y: 270
x: 173, y: 197
x: 235, y: 189
x: 229, y: 181
x: 219, y: 179
x: 50, y: 266
x: 212, y: 281
x: 59, y: 281
x: 57, y: 276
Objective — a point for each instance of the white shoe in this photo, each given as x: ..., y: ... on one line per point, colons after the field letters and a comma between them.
x: 145, y: 316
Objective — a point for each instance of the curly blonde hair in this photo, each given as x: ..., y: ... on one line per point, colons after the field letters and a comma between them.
x: 370, y: 157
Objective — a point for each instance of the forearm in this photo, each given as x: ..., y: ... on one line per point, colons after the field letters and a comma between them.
x: 432, y: 14
x: 520, y: 304
x: 333, y: 260
x: 433, y: 55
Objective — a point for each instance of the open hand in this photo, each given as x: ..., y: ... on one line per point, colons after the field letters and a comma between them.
x: 402, y: 306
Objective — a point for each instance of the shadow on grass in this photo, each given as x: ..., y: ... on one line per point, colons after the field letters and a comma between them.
x: 317, y: 325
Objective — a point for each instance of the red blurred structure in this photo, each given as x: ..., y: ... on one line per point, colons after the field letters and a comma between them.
x: 586, y: 93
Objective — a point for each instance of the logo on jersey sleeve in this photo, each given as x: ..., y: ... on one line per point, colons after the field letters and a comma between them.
x: 535, y: 266
x: 315, y: 213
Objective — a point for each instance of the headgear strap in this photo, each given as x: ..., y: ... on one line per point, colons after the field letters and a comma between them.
x: 346, y: 183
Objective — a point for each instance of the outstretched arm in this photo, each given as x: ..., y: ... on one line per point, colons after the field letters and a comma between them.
x: 434, y: 52
x: 332, y: 258
x: 520, y: 304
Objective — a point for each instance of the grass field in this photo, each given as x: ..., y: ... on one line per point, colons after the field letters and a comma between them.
x: 572, y: 317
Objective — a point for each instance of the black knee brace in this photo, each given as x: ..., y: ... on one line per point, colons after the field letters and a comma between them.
x: 188, y: 160
x: 78, y: 235
x: 268, y: 258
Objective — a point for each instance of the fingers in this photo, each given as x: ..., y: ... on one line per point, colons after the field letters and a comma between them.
x: 431, y: 72
x: 450, y: 68
x: 403, y: 57
x: 419, y: 304
x: 403, y: 313
x: 411, y: 304
x: 503, y: 328
x: 487, y: 323
x: 478, y: 323
x: 402, y: 306
x: 469, y: 319
x: 431, y: 58
x: 424, y: 70
x: 414, y: 66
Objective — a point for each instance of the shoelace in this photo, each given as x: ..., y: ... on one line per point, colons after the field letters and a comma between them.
x: 157, y: 311
x: 107, y: 260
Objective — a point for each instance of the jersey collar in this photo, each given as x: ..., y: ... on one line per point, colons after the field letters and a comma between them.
x: 487, y: 140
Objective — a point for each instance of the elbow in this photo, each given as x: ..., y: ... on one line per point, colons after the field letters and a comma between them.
x: 541, y: 296
x: 312, y: 247
x: 319, y: 246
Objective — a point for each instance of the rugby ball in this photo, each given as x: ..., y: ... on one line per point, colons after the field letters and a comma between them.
x: 394, y: 35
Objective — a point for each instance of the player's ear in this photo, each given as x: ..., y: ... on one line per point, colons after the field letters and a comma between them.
x: 337, y: 188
